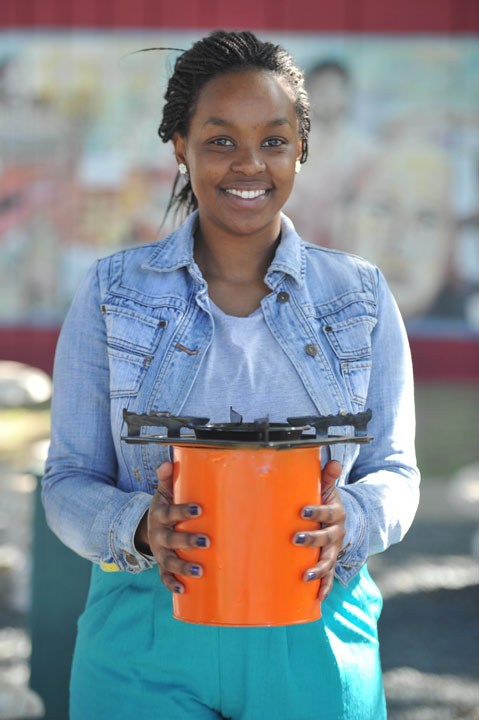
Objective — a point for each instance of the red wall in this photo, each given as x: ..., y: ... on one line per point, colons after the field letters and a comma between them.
x: 372, y: 16
x: 435, y: 359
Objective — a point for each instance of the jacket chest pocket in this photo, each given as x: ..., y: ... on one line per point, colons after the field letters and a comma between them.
x: 350, y: 342
x: 132, y: 339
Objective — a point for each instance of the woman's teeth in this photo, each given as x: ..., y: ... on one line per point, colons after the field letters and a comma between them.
x: 246, y: 194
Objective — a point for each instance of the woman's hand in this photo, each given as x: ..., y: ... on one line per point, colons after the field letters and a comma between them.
x: 156, y: 533
x: 329, y: 538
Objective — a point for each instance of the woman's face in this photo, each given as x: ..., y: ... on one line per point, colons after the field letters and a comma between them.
x: 240, y: 152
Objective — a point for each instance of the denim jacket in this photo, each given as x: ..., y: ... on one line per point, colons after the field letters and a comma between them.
x: 135, y: 337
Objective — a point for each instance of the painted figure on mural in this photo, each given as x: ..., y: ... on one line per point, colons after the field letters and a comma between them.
x: 338, y: 149
x: 401, y: 217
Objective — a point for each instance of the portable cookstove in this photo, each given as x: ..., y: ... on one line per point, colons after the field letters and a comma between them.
x: 251, y: 497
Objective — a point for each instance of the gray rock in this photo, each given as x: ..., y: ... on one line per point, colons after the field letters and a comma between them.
x: 22, y: 385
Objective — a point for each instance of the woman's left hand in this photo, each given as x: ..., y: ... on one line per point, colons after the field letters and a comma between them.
x: 329, y: 538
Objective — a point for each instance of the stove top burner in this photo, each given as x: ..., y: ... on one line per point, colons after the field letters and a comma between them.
x: 198, y: 431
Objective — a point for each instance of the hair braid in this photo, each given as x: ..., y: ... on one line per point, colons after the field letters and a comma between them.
x: 218, y: 54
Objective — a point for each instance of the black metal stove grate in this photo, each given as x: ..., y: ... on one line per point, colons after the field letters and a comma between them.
x: 296, y: 432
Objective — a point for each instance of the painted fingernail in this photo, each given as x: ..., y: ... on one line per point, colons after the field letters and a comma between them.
x: 194, y: 509
x: 310, y: 575
x: 202, y: 542
x: 195, y: 570
x: 178, y: 589
x: 307, y: 512
x: 299, y: 539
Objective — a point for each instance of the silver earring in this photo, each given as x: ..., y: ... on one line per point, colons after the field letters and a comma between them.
x: 183, y: 170
x: 297, y: 166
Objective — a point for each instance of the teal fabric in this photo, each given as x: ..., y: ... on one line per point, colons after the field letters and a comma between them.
x: 133, y: 660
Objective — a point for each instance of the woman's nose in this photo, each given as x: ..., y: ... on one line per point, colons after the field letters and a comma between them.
x: 248, y: 162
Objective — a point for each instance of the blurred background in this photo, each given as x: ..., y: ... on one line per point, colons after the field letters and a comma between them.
x: 392, y: 175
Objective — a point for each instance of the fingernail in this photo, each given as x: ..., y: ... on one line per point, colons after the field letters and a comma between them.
x: 195, y: 570
x: 202, y: 542
x: 194, y: 509
x: 307, y: 512
x: 325, y: 596
x: 310, y: 575
x: 299, y: 539
x: 178, y: 589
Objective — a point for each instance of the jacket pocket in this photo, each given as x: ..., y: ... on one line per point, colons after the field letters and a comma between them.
x: 351, y: 339
x: 350, y: 342
x: 132, y: 339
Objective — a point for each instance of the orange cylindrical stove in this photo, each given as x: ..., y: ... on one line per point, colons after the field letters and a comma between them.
x: 251, y: 500
x: 252, y: 481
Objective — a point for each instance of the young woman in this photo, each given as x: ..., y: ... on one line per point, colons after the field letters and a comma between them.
x: 232, y: 309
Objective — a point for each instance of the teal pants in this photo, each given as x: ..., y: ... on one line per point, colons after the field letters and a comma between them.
x: 134, y: 661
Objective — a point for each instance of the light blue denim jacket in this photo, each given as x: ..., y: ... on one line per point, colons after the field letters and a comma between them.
x: 135, y: 338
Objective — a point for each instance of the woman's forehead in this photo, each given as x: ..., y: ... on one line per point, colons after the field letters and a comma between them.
x: 260, y: 95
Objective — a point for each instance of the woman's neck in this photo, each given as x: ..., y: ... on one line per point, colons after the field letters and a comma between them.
x: 234, y: 268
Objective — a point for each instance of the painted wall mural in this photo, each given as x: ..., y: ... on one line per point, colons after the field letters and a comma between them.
x: 392, y: 175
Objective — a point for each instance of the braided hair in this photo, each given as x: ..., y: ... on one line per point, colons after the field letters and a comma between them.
x: 217, y: 54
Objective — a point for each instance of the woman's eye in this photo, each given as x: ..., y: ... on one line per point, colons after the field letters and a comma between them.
x: 274, y: 142
x: 222, y: 142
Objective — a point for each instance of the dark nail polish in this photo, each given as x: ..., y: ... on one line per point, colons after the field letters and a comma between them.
x: 178, y: 589
x: 307, y: 512
x: 201, y: 542
x: 300, y: 539
x: 195, y: 570
x: 194, y: 510
x: 310, y: 576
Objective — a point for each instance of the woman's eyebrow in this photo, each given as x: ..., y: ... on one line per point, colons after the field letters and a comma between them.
x: 221, y: 122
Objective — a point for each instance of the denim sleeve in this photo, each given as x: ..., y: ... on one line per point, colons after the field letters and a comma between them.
x: 83, y: 506
x: 382, y: 492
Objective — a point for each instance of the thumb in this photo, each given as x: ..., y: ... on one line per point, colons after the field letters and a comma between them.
x: 164, y: 474
x: 329, y: 474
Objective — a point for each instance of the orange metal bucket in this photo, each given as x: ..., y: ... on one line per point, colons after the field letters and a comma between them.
x: 251, y: 500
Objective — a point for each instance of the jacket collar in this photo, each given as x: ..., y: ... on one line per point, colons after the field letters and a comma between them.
x: 176, y: 251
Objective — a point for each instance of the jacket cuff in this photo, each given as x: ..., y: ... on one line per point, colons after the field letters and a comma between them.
x: 355, y: 545
x: 123, y: 553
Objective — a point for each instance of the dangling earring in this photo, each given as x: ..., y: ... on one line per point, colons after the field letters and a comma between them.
x: 183, y: 170
x: 297, y: 166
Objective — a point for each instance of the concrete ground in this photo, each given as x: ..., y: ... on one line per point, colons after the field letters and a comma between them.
x: 429, y: 627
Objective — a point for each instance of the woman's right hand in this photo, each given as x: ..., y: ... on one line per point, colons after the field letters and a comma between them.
x: 156, y: 531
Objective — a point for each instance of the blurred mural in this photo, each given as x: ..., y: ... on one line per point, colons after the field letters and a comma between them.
x: 392, y: 174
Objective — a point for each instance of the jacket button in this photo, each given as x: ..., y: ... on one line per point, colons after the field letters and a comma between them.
x: 328, y: 328
x: 282, y: 297
x: 131, y: 559
x: 311, y: 350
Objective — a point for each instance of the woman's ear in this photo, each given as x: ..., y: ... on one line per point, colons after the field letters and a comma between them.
x: 179, y: 144
x: 300, y: 149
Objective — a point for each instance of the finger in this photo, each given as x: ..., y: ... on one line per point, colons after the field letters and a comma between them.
x: 171, y: 582
x: 325, y: 565
x: 162, y: 513
x: 330, y: 513
x: 164, y: 474
x: 174, y: 564
x: 167, y: 537
x: 326, y: 586
x: 330, y: 535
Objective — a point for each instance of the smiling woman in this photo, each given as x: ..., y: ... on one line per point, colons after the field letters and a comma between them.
x: 232, y: 309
